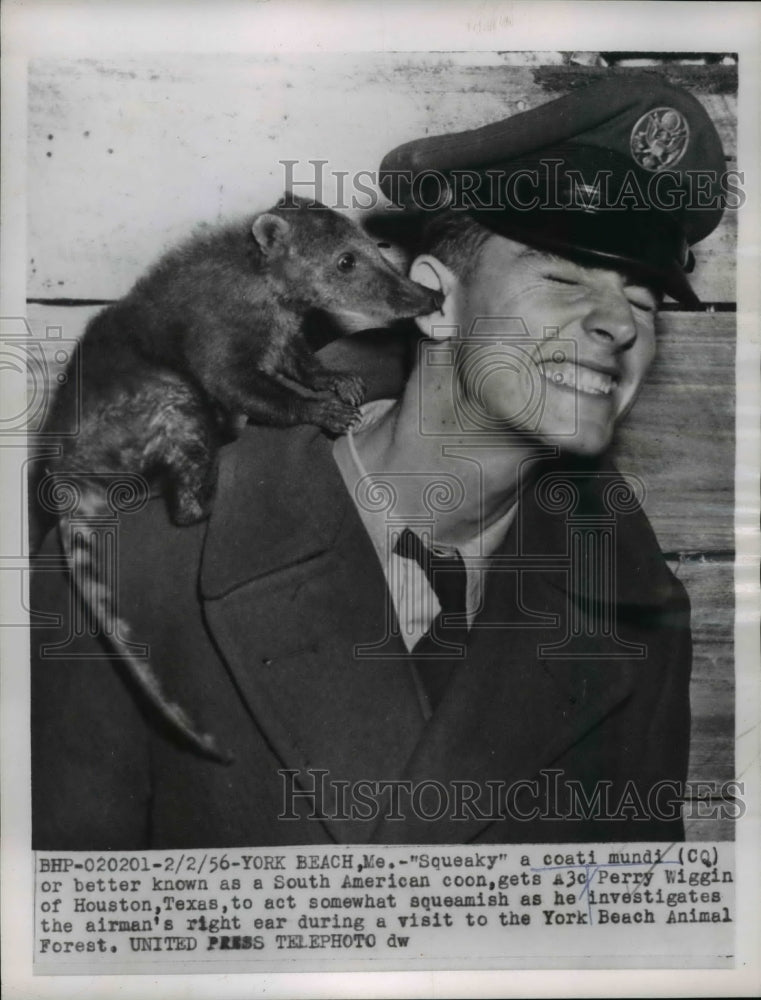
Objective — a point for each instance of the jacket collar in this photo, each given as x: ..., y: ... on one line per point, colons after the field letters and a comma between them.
x: 272, y: 476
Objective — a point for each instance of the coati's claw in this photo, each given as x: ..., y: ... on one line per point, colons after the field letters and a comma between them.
x: 350, y: 388
x: 336, y: 416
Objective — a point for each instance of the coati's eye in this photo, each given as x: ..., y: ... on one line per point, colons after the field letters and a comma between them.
x: 346, y: 262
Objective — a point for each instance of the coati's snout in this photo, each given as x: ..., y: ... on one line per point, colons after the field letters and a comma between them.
x: 382, y: 295
x: 339, y: 269
x: 413, y: 299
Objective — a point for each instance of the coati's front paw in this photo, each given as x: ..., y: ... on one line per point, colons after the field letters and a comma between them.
x: 349, y: 388
x: 334, y: 415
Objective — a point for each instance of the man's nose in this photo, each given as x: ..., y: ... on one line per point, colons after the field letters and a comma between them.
x: 610, y: 317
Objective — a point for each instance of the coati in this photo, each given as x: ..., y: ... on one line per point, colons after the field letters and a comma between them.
x: 210, y: 336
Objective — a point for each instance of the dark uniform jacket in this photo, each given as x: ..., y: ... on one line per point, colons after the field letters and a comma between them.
x: 252, y: 620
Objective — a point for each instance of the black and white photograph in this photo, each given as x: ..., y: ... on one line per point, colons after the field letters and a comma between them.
x: 380, y: 467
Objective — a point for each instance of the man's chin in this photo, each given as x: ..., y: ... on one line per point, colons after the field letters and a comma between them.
x: 586, y: 443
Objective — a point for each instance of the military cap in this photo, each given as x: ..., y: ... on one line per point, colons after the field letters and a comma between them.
x: 626, y: 172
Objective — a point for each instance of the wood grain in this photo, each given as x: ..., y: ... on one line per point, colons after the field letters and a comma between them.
x: 712, y: 698
x: 712, y: 692
x: 679, y: 439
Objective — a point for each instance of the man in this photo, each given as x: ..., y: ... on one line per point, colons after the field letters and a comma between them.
x: 454, y: 624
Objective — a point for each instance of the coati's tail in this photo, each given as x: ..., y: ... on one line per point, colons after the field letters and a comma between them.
x: 94, y: 591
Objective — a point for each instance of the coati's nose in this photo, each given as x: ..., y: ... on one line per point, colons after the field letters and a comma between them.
x: 431, y: 302
x: 422, y: 300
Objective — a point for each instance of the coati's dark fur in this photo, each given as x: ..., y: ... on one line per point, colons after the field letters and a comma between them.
x: 210, y: 336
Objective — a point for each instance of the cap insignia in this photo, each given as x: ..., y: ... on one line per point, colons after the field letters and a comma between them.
x: 659, y: 139
x: 587, y: 198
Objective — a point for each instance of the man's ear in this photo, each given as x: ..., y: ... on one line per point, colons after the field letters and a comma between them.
x: 429, y: 271
x: 270, y: 232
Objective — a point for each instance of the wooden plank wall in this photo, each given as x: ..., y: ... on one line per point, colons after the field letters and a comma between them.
x: 127, y: 156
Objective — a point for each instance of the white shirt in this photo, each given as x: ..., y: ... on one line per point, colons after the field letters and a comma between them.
x: 413, y: 598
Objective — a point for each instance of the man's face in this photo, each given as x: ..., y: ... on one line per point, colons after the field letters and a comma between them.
x: 568, y: 388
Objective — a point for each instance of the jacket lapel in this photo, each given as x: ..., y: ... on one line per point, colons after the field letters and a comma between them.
x: 292, y: 585
x: 507, y: 712
x: 514, y: 705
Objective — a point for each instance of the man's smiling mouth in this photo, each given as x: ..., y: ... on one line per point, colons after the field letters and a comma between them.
x: 580, y: 378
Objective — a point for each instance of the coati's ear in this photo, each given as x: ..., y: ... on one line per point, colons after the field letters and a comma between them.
x: 270, y: 232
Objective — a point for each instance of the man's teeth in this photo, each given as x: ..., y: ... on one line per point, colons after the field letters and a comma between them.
x: 578, y: 377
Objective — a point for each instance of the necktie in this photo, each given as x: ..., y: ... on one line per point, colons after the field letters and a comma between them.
x: 448, y: 578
